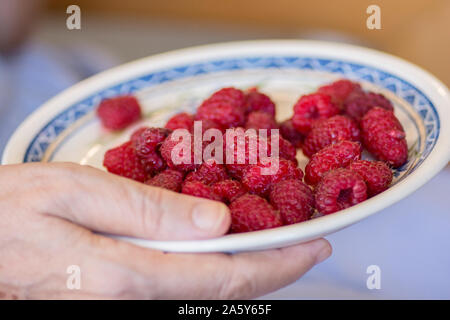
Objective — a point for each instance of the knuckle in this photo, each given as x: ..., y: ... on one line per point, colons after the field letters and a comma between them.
x: 151, y: 210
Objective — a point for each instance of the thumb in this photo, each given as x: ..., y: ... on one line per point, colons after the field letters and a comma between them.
x: 107, y: 203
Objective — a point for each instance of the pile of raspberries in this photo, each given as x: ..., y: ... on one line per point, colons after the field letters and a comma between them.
x: 331, y: 126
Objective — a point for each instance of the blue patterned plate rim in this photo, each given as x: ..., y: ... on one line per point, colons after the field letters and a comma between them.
x: 36, y: 150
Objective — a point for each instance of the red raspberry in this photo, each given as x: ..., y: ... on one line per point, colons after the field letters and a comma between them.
x: 289, y: 133
x: 338, y: 155
x: 376, y: 174
x: 229, y: 189
x: 236, y: 170
x: 293, y: 199
x: 260, y: 120
x: 250, y: 144
x: 339, y: 189
x: 146, y: 140
x: 357, y: 105
x: 209, y: 124
x: 222, y: 112
x: 137, y: 133
x: 117, y: 113
x: 181, y: 121
x: 124, y: 162
x: 199, y: 189
x: 384, y: 137
x: 257, y: 101
x: 340, y: 90
x: 329, y: 131
x: 168, y: 179
x: 256, y: 182
x: 224, y: 107
x: 311, y: 108
x: 285, y: 149
x: 183, y: 145
x: 251, y: 213
x: 209, y: 172
x: 153, y: 163
x: 233, y: 95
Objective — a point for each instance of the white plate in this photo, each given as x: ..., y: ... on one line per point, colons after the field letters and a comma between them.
x: 65, y: 128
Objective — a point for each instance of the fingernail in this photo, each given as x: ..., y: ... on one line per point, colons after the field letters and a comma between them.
x: 324, y: 251
x: 208, y: 216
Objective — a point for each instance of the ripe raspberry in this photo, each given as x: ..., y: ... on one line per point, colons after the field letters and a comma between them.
x: 168, y: 179
x: 147, y: 140
x: 199, y: 189
x: 117, y: 113
x: 233, y: 95
x: 289, y: 133
x: 209, y: 124
x: 257, y: 101
x: 329, y: 131
x: 311, y: 108
x: 222, y: 112
x: 136, y: 133
x: 251, y: 213
x: 229, y: 189
x: 259, y: 182
x: 181, y: 121
x: 376, y: 174
x: 285, y: 149
x: 340, y: 90
x: 384, y: 137
x: 236, y: 170
x: 181, y: 161
x: 224, y: 107
x: 338, y: 155
x: 124, y: 161
x: 357, y: 105
x: 260, y: 120
x: 209, y: 173
x: 153, y: 163
x: 242, y: 148
x: 339, y: 189
x: 293, y: 199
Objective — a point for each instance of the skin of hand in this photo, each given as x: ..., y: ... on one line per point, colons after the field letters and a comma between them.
x: 47, y: 212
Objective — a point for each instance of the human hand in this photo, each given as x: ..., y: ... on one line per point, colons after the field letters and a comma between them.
x: 48, y: 210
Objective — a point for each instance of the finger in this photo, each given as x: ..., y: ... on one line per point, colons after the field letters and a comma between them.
x: 238, y: 276
x: 107, y: 203
x: 141, y: 273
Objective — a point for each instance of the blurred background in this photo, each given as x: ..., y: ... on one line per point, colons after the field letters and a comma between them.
x: 418, y: 30
x: 40, y: 57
